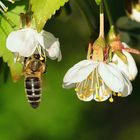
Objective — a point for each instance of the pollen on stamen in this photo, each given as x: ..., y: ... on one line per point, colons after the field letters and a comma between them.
x: 105, y: 92
x: 90, y: 77
x: 119, y: 94
x: 111, y: 99
x: 101, y: 98
x: 76, y: 89
x: 91, y: 89
x: 82, y: 96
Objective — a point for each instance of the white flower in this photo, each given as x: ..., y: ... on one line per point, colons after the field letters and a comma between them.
x: 135, y: 15
x: 27, y: 41
x: 97, y: 80
x: 129, y: 68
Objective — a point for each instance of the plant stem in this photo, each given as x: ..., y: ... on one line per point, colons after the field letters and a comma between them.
x: 108, y: 13
x: 101, y: 33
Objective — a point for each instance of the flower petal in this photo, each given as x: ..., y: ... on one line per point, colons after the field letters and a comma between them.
x: 120, y: 64
x: 135, y: 15
x: 132, y: 68
x: 51, y: 44
x: 68, y: 85
x: 54, y: 51
x: 84, y: 97
x: 23, y: 41
x: 128, y: 86
x: 111, y: 76
x: 103, y: 94
x: 79, y: 72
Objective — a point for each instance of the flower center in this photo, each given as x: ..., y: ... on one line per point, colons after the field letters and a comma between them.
x: 95, y: 87
x: 92, y: 86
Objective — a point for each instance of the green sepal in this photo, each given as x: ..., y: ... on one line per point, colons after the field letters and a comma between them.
x: 98, y: 47
x: 111, y: 34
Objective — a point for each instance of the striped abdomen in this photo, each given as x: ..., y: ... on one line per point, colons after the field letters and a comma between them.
x: 33, y: 90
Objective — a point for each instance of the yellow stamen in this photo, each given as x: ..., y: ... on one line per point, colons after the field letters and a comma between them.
x: 90, y: 77
x: 119, y: 94
x: 91, y: 90
x: 111, y: 99
x: 76, y: 89
x: 105, y: 92
x: 101, y: 98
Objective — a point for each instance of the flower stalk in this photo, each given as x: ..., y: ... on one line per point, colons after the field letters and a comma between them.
x: 101, y: 33
x: 108, y: 13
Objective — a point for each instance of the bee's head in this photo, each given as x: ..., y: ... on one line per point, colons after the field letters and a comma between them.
x: 36, y: 56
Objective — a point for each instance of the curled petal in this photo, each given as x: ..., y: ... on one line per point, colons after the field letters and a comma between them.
x: 23, y: 41
x: 79, y: 72
x: 128, y: 86
x: 111, y: 76
x: 51, y: 44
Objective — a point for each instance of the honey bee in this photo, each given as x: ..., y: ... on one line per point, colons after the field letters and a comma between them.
x: 33, y: 69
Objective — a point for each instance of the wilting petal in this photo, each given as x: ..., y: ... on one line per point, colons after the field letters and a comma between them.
x: 79, y: 72
x: 22, y: 41
x: 111, y: 76
x: 128, y: 86
x: 103, y: 94
x: 51, y: 44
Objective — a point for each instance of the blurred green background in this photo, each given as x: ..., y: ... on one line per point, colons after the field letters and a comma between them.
x: 61, y: 116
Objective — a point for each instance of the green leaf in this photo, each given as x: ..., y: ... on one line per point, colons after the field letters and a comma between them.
x: 44, y: 9
x: 8, y: 23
